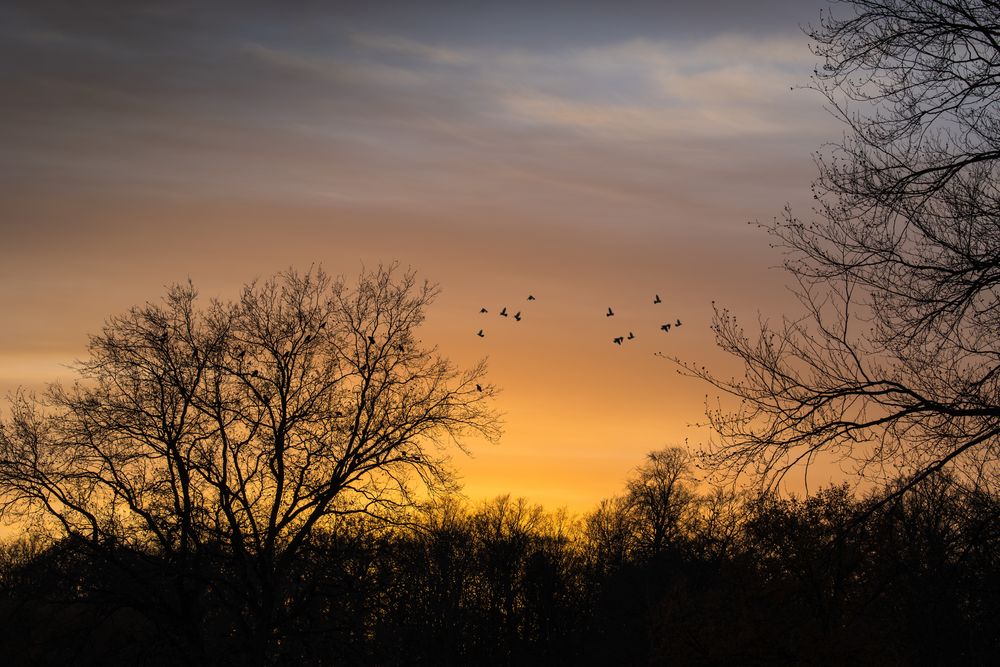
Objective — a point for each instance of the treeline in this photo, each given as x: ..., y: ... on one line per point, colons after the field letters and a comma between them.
x: 663, y: 574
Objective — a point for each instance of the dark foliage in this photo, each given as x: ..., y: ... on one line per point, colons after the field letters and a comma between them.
x: 830, y: 579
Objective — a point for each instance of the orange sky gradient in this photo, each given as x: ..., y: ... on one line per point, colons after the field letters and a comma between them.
x: 609, y: 159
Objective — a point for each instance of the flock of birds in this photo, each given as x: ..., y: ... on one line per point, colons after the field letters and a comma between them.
x: 617, y: 340
x: 503, y: 313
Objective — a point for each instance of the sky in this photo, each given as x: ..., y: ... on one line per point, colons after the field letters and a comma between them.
x: 590, y: 154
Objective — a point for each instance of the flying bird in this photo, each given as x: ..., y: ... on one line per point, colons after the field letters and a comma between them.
x: 677, y: 323
x: 483, y: 310
x: 666, y: 327
x: 504, y: 311
x: 481, y: 334
x: 657, y: 299
x: 531, y: 297
x: 618, y: 340
x: 517, y: 316
x: 631, y: 335
x: 610, y: 312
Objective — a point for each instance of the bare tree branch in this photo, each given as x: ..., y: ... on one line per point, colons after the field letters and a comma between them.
x: 894, y: 363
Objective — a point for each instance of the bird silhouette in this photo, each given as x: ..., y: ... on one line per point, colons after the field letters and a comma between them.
x: 503, y: 312
x: 618, y: 340
x: 657, y: 299
x: 531, y: 298
x: 483, y: 310
x: 481, y: 334
x: 631, y: 335
x: 479, y: 387
x: 517, y: 316
x: 666, y: 327
x: 610, y: 312
x: 254, y: 373
x: 371, y: 339
x: 677, y: 323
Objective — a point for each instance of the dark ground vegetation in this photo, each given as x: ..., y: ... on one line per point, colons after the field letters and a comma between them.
x: 675, y: 577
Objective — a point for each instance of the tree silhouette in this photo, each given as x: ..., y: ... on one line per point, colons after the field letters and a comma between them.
x: 611, y: 534
x: 662, y: 500
x: 746, y: 580
x: 895, y: 361
x: 215, y: 441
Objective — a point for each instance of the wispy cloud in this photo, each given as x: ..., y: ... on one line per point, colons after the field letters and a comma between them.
x: 401, y: 117
x: 728, y: 85
x: 411, y: 49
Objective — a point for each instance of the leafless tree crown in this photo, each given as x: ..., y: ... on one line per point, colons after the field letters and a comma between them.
x: 893, y: 362
x: 245, y: 423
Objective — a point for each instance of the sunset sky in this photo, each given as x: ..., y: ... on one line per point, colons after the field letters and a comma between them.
x: 590, y: 154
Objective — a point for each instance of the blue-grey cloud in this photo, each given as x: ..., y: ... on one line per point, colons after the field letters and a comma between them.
x: 313, y: 101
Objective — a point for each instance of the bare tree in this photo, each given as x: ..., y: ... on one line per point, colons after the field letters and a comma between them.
x: 662, y: 500
x: 240, y: 428
x: 610, y: 534
x: 657, y: 511
x: 894, y: 363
